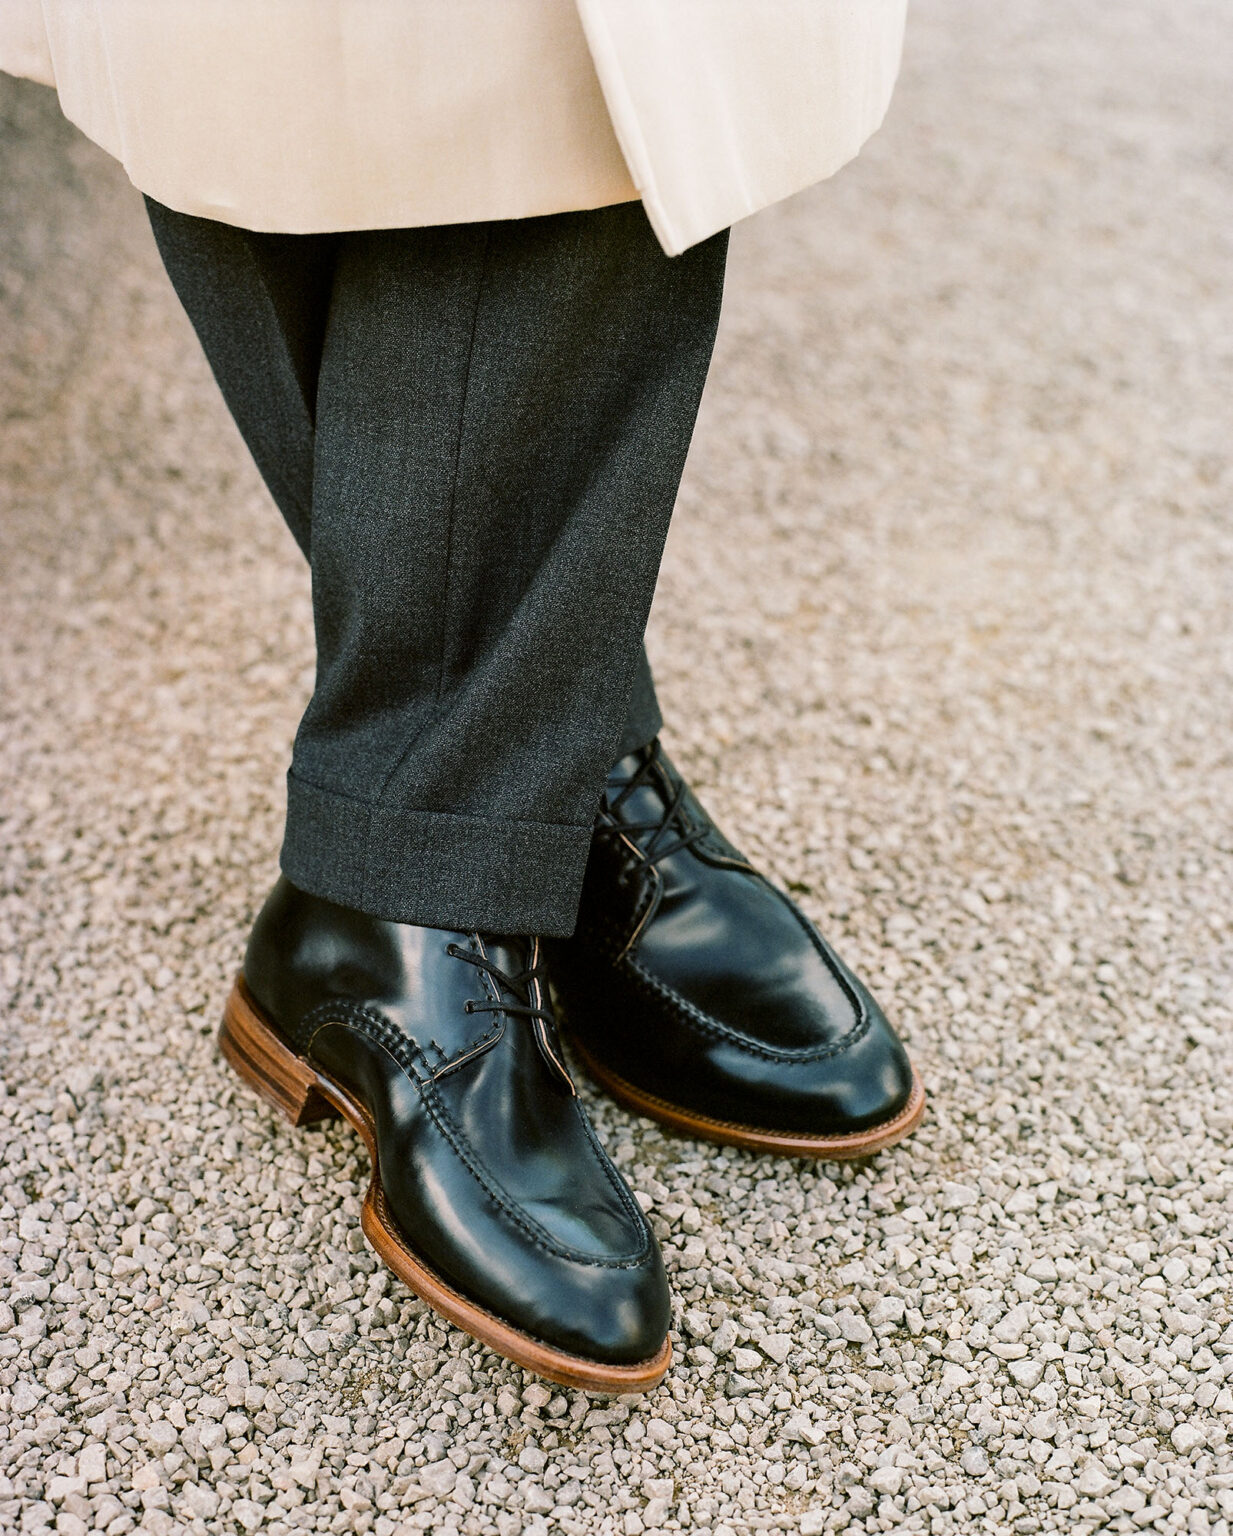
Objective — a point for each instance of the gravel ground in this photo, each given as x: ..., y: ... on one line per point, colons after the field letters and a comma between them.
x: 944, y: 632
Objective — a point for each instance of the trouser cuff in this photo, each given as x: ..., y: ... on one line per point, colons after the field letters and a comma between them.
x: 472, y: 873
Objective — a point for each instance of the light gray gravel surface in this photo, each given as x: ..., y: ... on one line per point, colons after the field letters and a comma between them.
x: 945, y: 636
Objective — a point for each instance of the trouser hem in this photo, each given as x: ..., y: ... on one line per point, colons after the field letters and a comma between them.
x: 489, y: 874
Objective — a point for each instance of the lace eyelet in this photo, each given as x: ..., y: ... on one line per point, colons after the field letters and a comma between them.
x: 468, y: 1006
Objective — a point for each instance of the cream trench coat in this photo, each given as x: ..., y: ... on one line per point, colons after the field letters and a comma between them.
x: 309, y: 115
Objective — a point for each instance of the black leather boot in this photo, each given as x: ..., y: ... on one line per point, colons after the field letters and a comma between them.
x: 490, y: 1195
x: 700, y: 995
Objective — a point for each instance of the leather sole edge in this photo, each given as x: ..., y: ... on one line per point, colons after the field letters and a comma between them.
x: 304, y: 1095
x: 732, y: 1134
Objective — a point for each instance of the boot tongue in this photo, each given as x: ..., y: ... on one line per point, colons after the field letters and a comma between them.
x: 648, y: 806
x: 513, y: 956
x: 650, y: 801
x: 510, y: 954
x: 627, y: 767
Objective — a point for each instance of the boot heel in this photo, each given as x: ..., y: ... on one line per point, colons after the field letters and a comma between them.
x: 282, y: 1078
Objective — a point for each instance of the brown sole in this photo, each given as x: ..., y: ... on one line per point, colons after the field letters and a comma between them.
x: 731, y: 1134
x: 303, y: 1095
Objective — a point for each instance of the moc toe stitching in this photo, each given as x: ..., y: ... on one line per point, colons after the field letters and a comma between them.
x: 386, y: 1036
x: 825, y: 953
x: 383, y: 1207
x: 706, y: 1024
x: 531, y: 1229
x: 621, y: 1189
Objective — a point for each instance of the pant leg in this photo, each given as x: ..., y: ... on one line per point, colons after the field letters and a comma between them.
x: 258, y: 303
x: 643, y: 720
x: 502, y: 415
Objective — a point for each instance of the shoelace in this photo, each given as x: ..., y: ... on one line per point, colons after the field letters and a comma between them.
x: 671, y: 820
x: 528, y: 983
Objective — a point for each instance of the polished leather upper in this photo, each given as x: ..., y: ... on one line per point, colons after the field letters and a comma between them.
x: 694, y: 978
x: 489, y: 1165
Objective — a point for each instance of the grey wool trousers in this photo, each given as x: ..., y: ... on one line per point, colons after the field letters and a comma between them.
x: 476, y: 433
